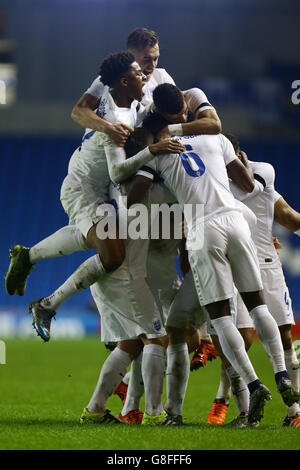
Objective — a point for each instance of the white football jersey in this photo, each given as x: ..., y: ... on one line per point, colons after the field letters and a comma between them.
x: 198, y: 176
x: 262, y: 204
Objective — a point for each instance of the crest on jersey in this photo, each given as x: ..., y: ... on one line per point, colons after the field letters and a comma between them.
x: 157, y: 325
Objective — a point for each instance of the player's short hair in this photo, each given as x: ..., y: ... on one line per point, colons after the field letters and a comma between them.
x: 140, y: 38
x: 233, y: 140
x: 168, y: 99
x: 114, y: 67
x: 136, y: 141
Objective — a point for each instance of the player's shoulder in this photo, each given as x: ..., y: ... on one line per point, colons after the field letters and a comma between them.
x: 96, y: 88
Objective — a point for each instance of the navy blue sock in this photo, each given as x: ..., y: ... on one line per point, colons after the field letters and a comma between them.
x: 280, y: 375
x: 252, y: 386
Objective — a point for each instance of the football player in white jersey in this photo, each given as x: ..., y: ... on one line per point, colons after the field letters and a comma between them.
x: 129, y: 314
x: 182, y: 180
x: 262, y: 202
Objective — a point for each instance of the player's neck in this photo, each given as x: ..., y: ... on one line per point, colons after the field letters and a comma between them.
x: 121, y: 100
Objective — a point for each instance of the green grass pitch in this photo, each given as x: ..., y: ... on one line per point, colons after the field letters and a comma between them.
x: 44, y: 387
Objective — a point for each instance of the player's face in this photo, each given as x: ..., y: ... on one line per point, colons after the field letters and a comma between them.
x: 177, y: 118
x: 147, y: 59
x: 135, y: 82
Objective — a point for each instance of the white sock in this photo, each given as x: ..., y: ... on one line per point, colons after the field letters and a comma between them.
x: 292, y: 365
x: 126, y: 378
x: 233, y: 347
x: 87, y: 273
x: 268, y: 332
x: 112, y: 372
x: 135, y: 389
x: 239, y: 390
x: 178, y: 371
x: 153, y: 368
x: 224, y: 386
x: 65, y: 241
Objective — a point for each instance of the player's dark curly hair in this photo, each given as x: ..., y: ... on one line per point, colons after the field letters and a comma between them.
x: 233, y: 140
x: 114, y: 67
x: 168, y: 99
x: 140, y: 38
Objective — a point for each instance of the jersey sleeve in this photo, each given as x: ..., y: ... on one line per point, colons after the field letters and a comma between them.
x: 149, y: 170
x: 241, y: 195
x: 265, y: 173
x: 96, y: 89
x: 196, y: 100
x: 120, y: 168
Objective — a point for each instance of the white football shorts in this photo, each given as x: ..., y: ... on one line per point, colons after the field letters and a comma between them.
x: 127, y: 309
x: 81, y: 198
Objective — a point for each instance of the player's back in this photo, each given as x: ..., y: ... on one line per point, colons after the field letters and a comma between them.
x: 199, y: 176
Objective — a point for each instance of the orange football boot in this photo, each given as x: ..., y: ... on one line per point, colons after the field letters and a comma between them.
x: 217, y: 412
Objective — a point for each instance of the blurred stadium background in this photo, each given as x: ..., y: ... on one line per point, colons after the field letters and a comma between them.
x: 243, y: 53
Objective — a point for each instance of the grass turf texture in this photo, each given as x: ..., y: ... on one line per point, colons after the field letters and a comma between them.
x: 44, y: 387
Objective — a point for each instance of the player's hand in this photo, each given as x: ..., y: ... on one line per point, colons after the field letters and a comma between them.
x: 244, y: 158
x: 277, y: 243
x: 118, y: 132
x: 166, y: 146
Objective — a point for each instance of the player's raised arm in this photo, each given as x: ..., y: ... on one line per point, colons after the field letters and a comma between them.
x: 286, y: 216
x: 240, y: 172
x: 174, y: 105
x: 84, y: 114
x: 206, y: 122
